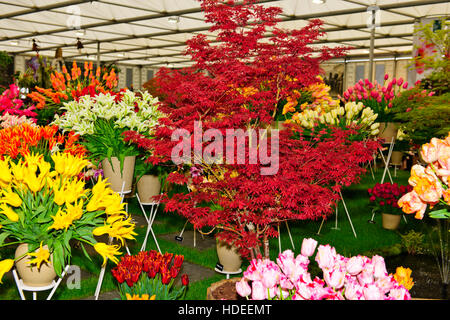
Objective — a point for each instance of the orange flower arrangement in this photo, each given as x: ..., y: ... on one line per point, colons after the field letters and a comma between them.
x: 20, y: 140
x: 69, y: 86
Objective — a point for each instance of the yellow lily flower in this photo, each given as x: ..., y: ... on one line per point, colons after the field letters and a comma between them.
x: 120, y: 229
x: 32, y: 161
x: 34, y: 183
x: 18, y: 170
x: 41, y: 256
x: 5, y: 266
x: 74, y: 190
x: 11, y: 198
x: 7, y: 211
x: 107, y: 252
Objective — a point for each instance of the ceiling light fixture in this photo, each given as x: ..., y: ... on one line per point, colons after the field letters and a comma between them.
x: 80, y: 32
x: 14, y: 43
x: 174, y: 19
x: 319, y: 1
x: 121, y: 55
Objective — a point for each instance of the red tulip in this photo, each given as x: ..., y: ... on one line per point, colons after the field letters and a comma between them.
x: 185, y: 279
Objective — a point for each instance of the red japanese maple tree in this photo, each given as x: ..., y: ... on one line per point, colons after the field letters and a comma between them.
x: 237, y: 82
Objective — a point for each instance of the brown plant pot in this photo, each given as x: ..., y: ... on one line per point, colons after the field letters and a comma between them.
x: 396, y: 158
x: 147, y: 187
x: 223, y: 290
x: 30, y: 274
x: 115, y: 176
x: 390, y: 221
x: 229, y: 256
x: 388, y: 131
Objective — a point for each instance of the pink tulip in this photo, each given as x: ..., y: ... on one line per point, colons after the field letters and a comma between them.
x: 379, y: 267
x: 258, y: 291
x: 366, y: 95
x: 353, y: 291
x: 308, y: 247
x: 334, y: 277
x: 350, y: 90
x: 365, y: 277
x: 379, y: 99
x: 325, y: 256
x: 386, y: 76
x: 354, y: 265
x: 399, y: 81
x: 285, y: 283
x: 431, y: 94
x: 372, y: 292
x: 359, y: 96
x: 270, y: 278
x: 389, y: 87
x: 429, y: 151
x: 399, y: 293
x: 374, y: 94
x: 366, y: 81
x: 405, y: 85
x: 394, y: 81
x: 242, y: 288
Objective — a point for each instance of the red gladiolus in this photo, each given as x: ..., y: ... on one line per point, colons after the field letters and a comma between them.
x: 185, y: 279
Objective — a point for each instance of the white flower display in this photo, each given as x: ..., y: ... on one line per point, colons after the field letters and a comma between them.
x: 138, y: 113
x: 351, y: 114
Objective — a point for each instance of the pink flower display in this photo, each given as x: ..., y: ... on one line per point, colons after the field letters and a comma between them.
x: 354, y: 278
x: 10, y: 103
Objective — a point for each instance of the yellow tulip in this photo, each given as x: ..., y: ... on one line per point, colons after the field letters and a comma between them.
x: 7, y: 211
x: 33, y: 161
x: 75, y: 211
x: 5, y: 266
x: 18, y: 170
x: 5, y: 172
x: 41, y: 255
x: 145, y: 296
x: 107, y: 252
x: 119, y: 229
x: 74, y: 190
x: 62, y: 220
x: 403, y: 277
x: 11, y: 198
x: 67, y: 164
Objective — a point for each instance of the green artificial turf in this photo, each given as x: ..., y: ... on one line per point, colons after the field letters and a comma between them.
x: 371, y: 239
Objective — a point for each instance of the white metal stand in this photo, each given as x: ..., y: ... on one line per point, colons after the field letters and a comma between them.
x: 150, y: 218
x: 227, y: 273
x: 336, y: 220
x: 387, y: 160
x: 279, y: 236
x: 103, y: 269
x: 22, y: 287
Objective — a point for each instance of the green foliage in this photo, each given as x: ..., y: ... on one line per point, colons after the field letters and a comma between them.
x: 107, y: 141
x: 428, y: 117
x: 152, y: 286
x: 413, y: 242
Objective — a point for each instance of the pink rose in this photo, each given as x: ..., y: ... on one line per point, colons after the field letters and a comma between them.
x: 372, y: 292
x: 242, y: 288
x: 325, y: 256
x: 258, y: 291
x: 354, y: 265
x: 308, y: 247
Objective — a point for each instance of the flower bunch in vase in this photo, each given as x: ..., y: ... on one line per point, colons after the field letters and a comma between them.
x: 10, y: 103
x: 101, y: 120
x: 376, y: 96
x: 45, y: 205
x: 354, y: 278
x: 150, y: 275
x: 384, y: 197
x: 68, y: 86
x: 352, y: 115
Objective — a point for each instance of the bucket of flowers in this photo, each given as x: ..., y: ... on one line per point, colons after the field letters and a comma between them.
x: 44, y: 205
x: 384, y: 198
x: 150, y: 275
x: 354, y: 278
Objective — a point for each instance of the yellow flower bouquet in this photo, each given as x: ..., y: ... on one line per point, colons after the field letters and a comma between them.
x: 46, y: 208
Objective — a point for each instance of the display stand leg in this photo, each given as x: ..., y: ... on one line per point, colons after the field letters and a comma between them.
x: 290, y: 236
x: 348, y: 215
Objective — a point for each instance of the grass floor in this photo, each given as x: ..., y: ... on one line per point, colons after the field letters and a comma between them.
x: 371, y: 238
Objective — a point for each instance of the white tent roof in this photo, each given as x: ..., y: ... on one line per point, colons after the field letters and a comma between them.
x: 140, y: 32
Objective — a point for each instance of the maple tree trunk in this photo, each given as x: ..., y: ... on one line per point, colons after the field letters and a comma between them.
x: 266, y: 246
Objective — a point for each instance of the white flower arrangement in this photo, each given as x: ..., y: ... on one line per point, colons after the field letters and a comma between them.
x: 352, y: 114
x: 81, y: 116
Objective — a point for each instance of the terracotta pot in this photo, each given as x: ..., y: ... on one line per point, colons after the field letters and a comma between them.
x: 147, y: 187
x: 31, y: 275
x: 396, y: 157
x: 115, y: 176
x: 388, y: 131
x: 229, y: 257
x: 391, y: 221
x: 223, y: 289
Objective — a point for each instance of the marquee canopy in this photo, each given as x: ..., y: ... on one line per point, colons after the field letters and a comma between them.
x: 154, y: 32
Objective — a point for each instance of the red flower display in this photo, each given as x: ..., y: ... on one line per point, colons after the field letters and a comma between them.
x: 385, y: 196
